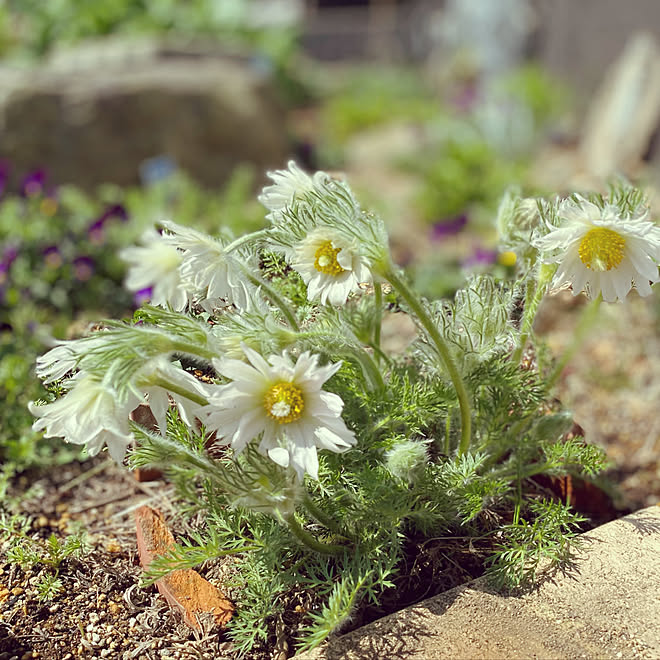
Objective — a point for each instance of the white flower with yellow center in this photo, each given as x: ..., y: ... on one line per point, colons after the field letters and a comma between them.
x: 330, y: 265
x: 600, y: 252
x: 282, y: 402
x: 88, y: 414
x: 287, y: 184
x: 156, y: 265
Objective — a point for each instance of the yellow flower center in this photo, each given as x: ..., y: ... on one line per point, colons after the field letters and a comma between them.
x: 326, y: 259
x: 601, y: 249
x: 284, y: 402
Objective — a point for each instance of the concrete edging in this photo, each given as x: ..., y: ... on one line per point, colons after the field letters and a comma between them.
x: 608, y: 606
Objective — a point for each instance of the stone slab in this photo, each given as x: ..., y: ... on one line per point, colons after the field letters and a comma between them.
x: 607, y: 606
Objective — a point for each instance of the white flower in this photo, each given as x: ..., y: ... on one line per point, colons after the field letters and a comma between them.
x: 288, y: 184
x: 88, y: 414
x: 330, y: 265
x: 600, y: 252
x: 284, y: 403
x: 159, y: 395
x: 205, y: 266
x: 156, y: 265
x: 64, y: 357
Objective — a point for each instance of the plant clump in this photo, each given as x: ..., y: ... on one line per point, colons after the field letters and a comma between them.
x: 322, y: 460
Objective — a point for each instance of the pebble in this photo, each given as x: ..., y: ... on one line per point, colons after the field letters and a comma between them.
x: 105, y: 653
x: 96, y: 638
x: 131, y: 622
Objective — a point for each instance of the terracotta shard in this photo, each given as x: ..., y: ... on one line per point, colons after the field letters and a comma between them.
x: 185, y: 590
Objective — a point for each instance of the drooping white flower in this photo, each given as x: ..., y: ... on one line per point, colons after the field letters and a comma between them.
x: 330, y: 265
x: 161, y: 372
x: 65, y: 356
x: 600, y: 252
x: 287, y: 184
x: 206, y: 267
x: 282, y: 402
x: 156, y: 264
x: 88, y: 414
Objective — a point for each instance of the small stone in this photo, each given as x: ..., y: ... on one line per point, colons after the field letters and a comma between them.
x: 131, y: 622
x: 17, y: 591
x: 42, y: 521
x: 105, y: 653
x: 113, y: 607
x: 96, y: 638
x: 113, y: 546
x: 53, y: 608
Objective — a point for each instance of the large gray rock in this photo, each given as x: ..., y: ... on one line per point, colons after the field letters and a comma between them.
x: 94, y: 114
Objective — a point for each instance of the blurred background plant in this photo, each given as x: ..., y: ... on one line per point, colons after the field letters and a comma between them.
x: 59, y: 272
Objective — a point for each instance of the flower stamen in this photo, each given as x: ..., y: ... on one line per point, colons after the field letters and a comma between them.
x: 601, y: 249
x: 284, y: 402
x: 325, y: 259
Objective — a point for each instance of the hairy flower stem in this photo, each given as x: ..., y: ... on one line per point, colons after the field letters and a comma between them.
x: 378, y: 318
x: 321, y: 516
x: 533, y: 296
x: 176, y: 389
x: 246, y: 238
x: 274, y: 297
x: 586, y: 322
x: 418, y: 309
x: 193, y: 349
x: 307, y: 539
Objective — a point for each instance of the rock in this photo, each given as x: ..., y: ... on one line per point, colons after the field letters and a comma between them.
x: 96, y: 113
x: 624, y: 114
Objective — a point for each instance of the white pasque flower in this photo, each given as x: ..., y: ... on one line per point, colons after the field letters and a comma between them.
x: 284, y: 403
x: 205, y: 266
x: 65, y: 356
x: 287, y: 184
x: 600, y: 252
x: 156, y: 264
x: 330, y: 265
x: 88, y: 414
x: 163, y: 371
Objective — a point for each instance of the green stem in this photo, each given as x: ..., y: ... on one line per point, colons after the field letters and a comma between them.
x: 418, y: 309
x: 316, y: 512
x: 176, y: 389
x: 585, y: 324
x: 447, y: 432
x: 307, y: 539
x: 246, y: 238
x: 274, y: 297
x: 532, y: 303
x: 378, y: 317
x: 193, y: 349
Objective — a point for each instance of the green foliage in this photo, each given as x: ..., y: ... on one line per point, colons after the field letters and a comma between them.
x: 36, y: 27
x: 460, y: 172
x: 24, y: 549
x: 368, y: 97
x: 544, y: 540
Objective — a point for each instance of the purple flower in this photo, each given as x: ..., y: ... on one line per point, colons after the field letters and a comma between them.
x: 95, y: 230
x: 480, y: 257
x: 83, y: 267
x: 52, y: 256
x: 33, y: 183
x: 142, y: 296
x: 448, y: 227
